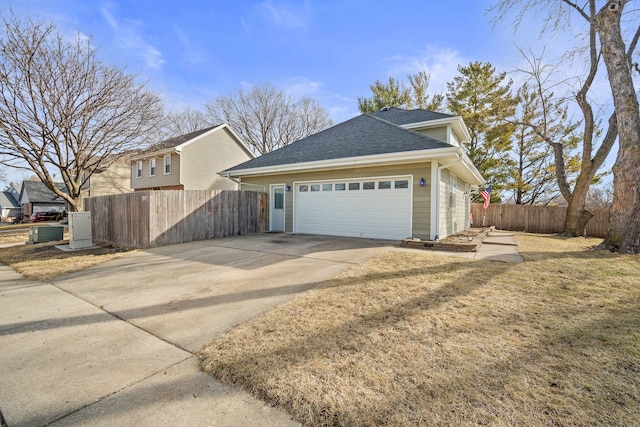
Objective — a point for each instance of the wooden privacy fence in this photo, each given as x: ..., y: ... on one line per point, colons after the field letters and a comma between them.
x: 150, y: 219
x: 535, y: 219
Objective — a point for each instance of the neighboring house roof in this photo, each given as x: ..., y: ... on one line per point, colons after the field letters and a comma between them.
x: 37, y: 192
x: 363, y: 135
x: 178, y: 140
x: 176, y: 143
x: 405, y: 117
x: 7, y: 200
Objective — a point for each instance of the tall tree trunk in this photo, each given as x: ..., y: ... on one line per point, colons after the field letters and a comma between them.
x: 577, y: 214
x: 624, y: 217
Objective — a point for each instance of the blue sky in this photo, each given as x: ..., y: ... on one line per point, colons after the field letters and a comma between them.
x: 194, y: 50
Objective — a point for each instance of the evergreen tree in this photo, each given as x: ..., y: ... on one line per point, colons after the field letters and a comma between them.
x: 533, y: 179
x: 484, y: 100
x: 397, y: 94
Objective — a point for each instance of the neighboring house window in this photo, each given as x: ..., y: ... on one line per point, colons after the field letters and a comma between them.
x: 152, y: 167
x: 453, y: 185
x: 139, y: 168
x: 167, y: 164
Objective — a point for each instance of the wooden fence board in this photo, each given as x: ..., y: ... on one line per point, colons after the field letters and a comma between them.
x: 535, y: 219
x: 158, y: 218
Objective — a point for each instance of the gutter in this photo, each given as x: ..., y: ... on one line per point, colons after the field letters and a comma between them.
x: 240, y: 183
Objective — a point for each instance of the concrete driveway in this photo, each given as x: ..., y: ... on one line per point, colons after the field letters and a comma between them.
x: 112, y: 345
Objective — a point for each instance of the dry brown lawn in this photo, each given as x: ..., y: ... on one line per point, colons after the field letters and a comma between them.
x: 43, y: 261
x: 416, y: 338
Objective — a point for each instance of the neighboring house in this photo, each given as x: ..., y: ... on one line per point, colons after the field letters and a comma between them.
x: 36, y: 197
x: 114, y: 179
x: 9, y: 207
x: 388, y: 175
x: 189, y: 162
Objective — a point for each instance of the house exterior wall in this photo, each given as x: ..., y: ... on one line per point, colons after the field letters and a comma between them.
x: 421, y: 212
x: 160, y: 179
x: 454, y: 210
x: 438, y: 133
x: 202, y: 160
x: 116, y: 179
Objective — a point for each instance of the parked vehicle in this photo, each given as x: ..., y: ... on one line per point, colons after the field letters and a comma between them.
x: 47, y: 216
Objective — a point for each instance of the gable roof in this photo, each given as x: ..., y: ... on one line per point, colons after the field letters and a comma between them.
x: 7, y: 200
x: 176, y: 143
x: 178, y: 140
x: 364, y: 135
x: 37, y: 192
x: 401, y: 117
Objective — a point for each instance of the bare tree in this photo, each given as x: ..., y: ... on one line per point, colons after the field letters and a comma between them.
x: 63, y: 110
x: 607, y: 42
x: 186, y: 121
x: 267, y: 118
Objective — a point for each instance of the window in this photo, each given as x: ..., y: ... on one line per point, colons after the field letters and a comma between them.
x: 315, y: 187
x: 278, y: 201
x: 453, y: 186
x: 369, y: 185
x: 303, y: 188
x: 327, y: 187
x: 354, y: 186
x: 139, y: 168
x: 340, y: 187
x: 401, y: 184
x: 167, y: 164
x: 152, y: 167
x: 384, y: 185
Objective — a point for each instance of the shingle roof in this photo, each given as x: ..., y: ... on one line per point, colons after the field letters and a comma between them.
x: 7, y: 200
x: 404, y: 117
x: 363, y: 135
x: 177, y: 140
x: 37, y: 192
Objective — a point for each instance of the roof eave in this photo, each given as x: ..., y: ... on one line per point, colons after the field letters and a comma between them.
x: 456, y: 122
x: 347, y: 162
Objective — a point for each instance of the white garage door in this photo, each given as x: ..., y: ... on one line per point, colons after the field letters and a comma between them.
x: 378, y: 208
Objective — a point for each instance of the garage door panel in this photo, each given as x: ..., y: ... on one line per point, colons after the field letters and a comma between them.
x: 374, y: 213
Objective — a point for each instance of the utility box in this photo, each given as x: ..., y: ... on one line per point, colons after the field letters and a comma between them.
x: 45, y: 233
x: 80, y: 230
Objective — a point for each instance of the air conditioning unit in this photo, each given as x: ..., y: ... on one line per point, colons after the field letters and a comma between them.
x: 45, y: 233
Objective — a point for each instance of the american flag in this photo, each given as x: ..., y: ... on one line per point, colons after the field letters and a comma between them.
x: 486, y: 195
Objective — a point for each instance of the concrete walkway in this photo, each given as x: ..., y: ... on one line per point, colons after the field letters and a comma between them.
x: 114, y: 344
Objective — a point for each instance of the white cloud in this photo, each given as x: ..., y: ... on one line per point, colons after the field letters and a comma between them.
x: 300, y: 86
x: 286, y: 17
x: 440, y: 63
x: 129, y: 38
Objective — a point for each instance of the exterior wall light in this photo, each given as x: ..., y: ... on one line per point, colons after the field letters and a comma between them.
x: 421, y: 182
x: 287, y: 188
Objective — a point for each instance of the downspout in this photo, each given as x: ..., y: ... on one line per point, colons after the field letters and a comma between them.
x: 240, y: 183
x: 436, y: 174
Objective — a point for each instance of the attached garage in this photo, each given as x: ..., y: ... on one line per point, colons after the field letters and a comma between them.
x: 378, y: 207
x: 390, y: 175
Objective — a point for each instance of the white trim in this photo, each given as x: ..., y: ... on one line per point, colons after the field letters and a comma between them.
x: 178, y: 148
x: 155, y: 167
x: 164, y: 164
x: 456, y: 122
x: 410, y: 178
x: 435, y: 200
x: 272, y: 206
x: 349, y: 162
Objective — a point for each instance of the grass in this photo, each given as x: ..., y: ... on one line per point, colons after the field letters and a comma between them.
x: 43, y: 261
x: 414, y: 338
